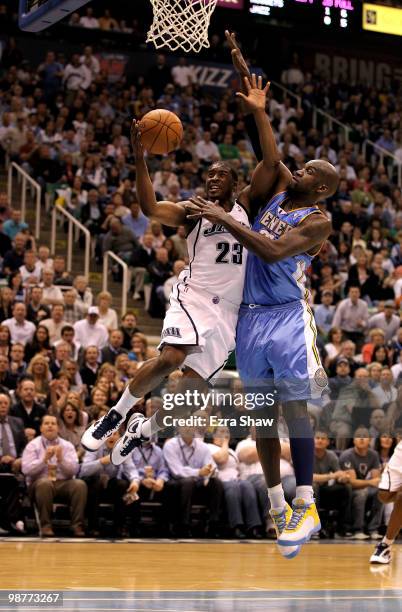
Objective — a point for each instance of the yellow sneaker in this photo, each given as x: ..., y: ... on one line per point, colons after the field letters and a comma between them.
x: 302, y: 525
x: 281, y: 519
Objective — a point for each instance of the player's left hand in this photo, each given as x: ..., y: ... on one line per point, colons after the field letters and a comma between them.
x: 256, y: 95
x: 206, y: 209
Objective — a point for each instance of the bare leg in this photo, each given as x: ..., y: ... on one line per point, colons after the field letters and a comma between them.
x: 152, y: 372
x: 395, y: 521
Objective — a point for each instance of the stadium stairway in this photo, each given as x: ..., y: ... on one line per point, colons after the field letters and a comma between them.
x: 149, y: 326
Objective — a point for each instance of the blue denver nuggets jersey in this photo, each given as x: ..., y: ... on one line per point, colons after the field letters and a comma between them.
x: 283, y: 281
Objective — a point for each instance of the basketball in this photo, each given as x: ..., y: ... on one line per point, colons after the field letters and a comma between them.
x: 161, y: 131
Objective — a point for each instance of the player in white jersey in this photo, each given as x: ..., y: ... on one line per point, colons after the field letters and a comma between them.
x: 390, y: 490
x: 200, y: 325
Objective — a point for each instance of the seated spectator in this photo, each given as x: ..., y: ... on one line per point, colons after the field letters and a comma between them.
x: 67, y: 336
x: 382, y: 355
x: 387, y: 320
x: 107, y: 22
x: 140, y: 260
x: 385, y: 391
x: 107, y: 315
x: 12, y: 442
x: 136, y: 221
x: 397, y: 371
x: 384, y: 444
x: 38, y: 370
x: 18, y: 289
x: 120, y: 239
x: 88, y: 20
x: 18, y: 365
x: 8, y: 381
x: 55, y: 323
x: 324, y: 313
x: 109, y: 373
x: 376, y: 336
x: 227, y: 149
x: 90, y: 367
x: 114, y: 347
x: 36, y: 309
x: 84, y: 297
x: 71, y: 425
x: 334, y: 344
x: 240, y: 495
x: 330, y: 483
x: 89, y: 332
x: 140, y: 351
x: 5, y: 341
x: 73, y: 309
x: 378, y: 424
x: 351, y: 316
x: 61, y: 352
x: 180, y: 243
x: 160, y: 270
x: 98, y: 403
x: 50, y: 464
x: 14, y: 258
x: 44, y: 259
x: 21, y: 330
x: 40, y: 344
x: 26, y: 408
x: 353, y: 408
x: 52, y: 295
x: 110, y: 484
x: 62, y: 277
x: 31, y: 270
x: 158, y: 237
x: 14, y: 225
x: 363, y: 467
x: 250, y: 469
x: 129, y: 328
x: 342, y: 378
x: 6, y: 303
x: 191, y: 465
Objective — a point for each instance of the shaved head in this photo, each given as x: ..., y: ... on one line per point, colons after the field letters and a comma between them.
x: 329, y: 175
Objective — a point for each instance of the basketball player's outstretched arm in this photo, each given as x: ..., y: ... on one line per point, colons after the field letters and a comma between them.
x: 306, y: 237
x: 270, y: 175
x: 172, y: 214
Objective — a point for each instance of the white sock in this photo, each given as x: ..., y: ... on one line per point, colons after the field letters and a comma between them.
x: 387, y: 541
x: 150, y: 427
x: 276, y: 497
x: 126, y: 402
x: 306, y: 492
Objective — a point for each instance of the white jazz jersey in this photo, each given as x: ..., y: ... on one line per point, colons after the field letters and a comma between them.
x: 204, y: 303
x: 391, y: 478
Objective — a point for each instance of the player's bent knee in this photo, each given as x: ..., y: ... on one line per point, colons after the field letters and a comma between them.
x: 171, y: 358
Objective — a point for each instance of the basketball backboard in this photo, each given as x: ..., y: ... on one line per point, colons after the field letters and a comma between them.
x: 36, y: 15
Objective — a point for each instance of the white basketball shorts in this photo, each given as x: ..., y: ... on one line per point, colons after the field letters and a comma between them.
x: 204, y: 322
x: 391, y: 478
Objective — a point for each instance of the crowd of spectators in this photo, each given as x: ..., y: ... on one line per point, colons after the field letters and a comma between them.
x: 64, y: 355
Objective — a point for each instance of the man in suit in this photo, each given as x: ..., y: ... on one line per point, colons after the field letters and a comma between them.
x: 12, y: 443
x: 114, y: 347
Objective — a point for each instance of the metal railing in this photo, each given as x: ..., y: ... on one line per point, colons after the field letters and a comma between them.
x: 289, y: 93
x: 105, y: 277
x: 383, y: 153
x: 72, y: 222
x: 25, y: 180
x: 330, y: 121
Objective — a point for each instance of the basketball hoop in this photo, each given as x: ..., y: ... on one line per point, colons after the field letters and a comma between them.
x: 181, y: 24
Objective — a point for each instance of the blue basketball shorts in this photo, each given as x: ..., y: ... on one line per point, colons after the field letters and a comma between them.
x: 276, y: 348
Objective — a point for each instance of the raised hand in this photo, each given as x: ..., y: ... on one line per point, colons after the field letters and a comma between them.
x: 136, y: 143
x: 238, y: 60
x: 256, y: 97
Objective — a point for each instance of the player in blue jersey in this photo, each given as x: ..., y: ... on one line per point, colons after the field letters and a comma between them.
x: 276, y: 333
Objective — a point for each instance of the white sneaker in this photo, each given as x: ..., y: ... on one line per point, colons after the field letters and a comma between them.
x: 374, y: 535
x: 360, y: 536
x: 280, y: 518
x: 94, y: 437
x: 131, y: 439
x: 382, y: 554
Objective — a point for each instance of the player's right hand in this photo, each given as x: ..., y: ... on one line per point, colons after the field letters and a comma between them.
x: 238, y: 60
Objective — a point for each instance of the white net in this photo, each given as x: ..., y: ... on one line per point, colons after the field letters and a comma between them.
x: 181, y: 24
